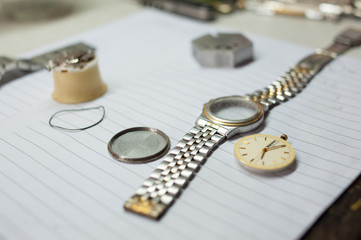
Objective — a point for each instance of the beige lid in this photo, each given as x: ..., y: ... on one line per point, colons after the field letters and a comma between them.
x: 78, y: 84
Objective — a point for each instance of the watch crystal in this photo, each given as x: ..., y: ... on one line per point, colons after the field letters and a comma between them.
x: 233, y: 110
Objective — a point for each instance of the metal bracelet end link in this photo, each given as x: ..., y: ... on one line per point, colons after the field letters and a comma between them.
x: 145, y: 206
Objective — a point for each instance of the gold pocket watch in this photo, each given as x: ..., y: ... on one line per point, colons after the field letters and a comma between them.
x: 264, y: 153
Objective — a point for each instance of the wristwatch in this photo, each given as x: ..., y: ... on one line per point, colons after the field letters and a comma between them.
x: 221, y: 119
x: 38, y: 62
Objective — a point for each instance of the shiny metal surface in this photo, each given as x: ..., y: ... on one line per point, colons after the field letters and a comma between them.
x: 38, y: 62
x: 225, y: 50
x: 156, y: 194
x: 312, y: 9
x: 139, y: 145
x: 232, y: 110
x: 165, y: 183
x: 296, y: 78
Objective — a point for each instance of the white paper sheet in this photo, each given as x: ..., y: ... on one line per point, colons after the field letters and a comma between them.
x: 61, y: 185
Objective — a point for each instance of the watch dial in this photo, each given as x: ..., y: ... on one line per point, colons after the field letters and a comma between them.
x: 262, y: 152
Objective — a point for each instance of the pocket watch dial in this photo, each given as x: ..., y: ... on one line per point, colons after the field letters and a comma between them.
x: 264, y: 153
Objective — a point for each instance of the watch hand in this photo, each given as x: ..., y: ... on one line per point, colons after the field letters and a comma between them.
x: 255, y: 157
x: 275, y: 147
x: 264, y: 150
x: 270, y: 143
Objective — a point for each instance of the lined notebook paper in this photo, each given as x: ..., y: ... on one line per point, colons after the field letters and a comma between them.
x: 63, y: 185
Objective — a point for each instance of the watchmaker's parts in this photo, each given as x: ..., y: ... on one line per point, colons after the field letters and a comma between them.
x: 264, y: 153
x: 231, y: 111
x: 11, y: 69
x: 312, y: 9
x: 76, y: 77
x: 221, y: 118
x: 139, y: 145
x: 173, y: 174
x: 200, y: 10
x: 222, y: 50
x: 73, y: 126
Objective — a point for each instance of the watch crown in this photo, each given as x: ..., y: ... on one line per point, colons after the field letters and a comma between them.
x: 284, y: 137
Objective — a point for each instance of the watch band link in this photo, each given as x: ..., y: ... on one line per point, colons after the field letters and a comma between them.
x: 172, y: 175
x: 287, y: 86
x: 159, y: 191
x: 294, y: 80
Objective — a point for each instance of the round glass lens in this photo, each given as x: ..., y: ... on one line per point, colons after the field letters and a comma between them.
x: 233, y: 109
x: 138, y: 145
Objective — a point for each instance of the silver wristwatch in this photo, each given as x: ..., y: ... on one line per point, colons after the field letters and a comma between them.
x: 222, y: 118
x: 38, y: 62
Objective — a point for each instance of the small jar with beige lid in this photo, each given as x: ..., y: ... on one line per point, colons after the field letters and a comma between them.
x: 76, y: 77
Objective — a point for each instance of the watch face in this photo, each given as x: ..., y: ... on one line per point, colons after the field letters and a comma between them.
x: 264, y: 153
x: 233, y: 111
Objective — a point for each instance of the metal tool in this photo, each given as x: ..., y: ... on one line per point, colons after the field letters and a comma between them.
x: 222, y: 50
x: 11, y: 69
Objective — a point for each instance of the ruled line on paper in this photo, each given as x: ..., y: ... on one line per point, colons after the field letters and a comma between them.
x: 114, y: 163
x: 335, y: 116
x: 309, y: 176
x: 280, y: 189
x: 320, y: 93
x: 224, y: 205
x: 243, y: 198
x: 346, y: 145
x: 60, y: 195
x: 225, y: 221
x: 73, y: 169
x: 318, y: 126
x: 301, y: 173
x: 320, y: 119
x: 167, y: 89
x: 44, y: 203
x: 5, y: 220
x: 98, y: 202
x: 116, y: 233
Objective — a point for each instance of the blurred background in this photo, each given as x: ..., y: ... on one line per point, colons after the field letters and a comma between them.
x: 29, y: 24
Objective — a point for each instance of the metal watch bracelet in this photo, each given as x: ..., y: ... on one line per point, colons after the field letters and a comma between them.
x: 160, y: 190
x: 296, y: 78
x: 172, y: 175
x: 166, y: 182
